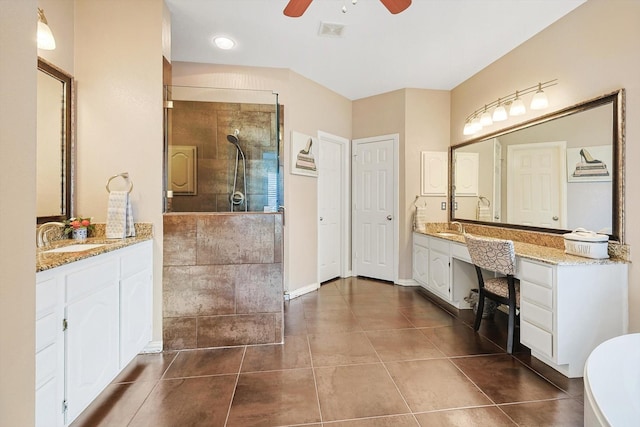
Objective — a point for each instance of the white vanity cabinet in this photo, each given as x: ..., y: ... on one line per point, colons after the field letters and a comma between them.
x: 439, y: 268
x: 566, y: 311
x: 420, y: 258
x: 101, y: 311
x: 436, y: 267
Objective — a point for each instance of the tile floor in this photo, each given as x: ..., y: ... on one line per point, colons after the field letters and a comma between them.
x: 357, y: 353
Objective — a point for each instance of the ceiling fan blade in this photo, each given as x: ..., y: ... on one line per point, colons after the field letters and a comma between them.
x: 295, y: 8
x: 396, y: 6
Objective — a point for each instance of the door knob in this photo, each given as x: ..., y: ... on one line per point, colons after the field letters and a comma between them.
x: 555, y: 218
x: 321, y: 218
x: 389, y: 217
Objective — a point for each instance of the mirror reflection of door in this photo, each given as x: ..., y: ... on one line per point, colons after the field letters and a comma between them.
x: 535, y: 184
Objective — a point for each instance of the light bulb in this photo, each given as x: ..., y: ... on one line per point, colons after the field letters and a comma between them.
x: 500, y: 113
x: 468, y: 129
x: 517, y: 107
x: 485, y: 118
x: 475, y: 124
x: 539, y: 101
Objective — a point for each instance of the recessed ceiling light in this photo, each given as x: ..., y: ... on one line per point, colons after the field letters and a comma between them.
x: 224, y: 43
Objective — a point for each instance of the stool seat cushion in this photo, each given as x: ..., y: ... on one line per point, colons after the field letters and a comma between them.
x: 500, y: 287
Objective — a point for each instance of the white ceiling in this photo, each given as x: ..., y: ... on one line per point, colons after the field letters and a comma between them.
x: 434, y: 44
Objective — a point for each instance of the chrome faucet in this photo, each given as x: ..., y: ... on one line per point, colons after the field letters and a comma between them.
x: 45, y: 229
x: 459, y: 226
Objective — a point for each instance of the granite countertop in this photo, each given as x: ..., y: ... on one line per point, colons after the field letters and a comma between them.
x: 546, y: 254
x: 46, y: 261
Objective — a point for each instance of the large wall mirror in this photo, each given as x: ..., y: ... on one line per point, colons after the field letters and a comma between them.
x: 556, y: 173
x: 54, y: 133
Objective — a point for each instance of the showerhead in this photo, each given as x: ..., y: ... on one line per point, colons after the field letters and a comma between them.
x: 233, y: 138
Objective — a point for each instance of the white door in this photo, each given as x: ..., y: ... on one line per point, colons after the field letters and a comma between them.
x: 332, y: 206
x: 536, y: 184
x: 375, y: 207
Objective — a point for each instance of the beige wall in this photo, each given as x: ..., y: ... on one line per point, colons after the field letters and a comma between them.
x: 119, y: 86
x: 591, y: 51
x: 421, y: 118
x: 17, y: 211
x: 308, y: 108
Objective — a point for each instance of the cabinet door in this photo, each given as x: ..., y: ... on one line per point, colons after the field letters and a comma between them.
x: 467, y: 174
x: 439, y: 273
x: 420, y: 264
x: 434, y: 173
x: 135, y: 314
x: 92, y: 347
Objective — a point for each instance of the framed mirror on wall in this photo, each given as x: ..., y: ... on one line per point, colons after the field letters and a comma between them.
x: 554, y: 174
x: 54, y: 143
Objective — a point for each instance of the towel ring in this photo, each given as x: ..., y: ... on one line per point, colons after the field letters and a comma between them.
x: 484, y: 200
x: 123, y: 175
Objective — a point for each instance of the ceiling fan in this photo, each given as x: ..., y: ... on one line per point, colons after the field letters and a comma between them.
x: 295, y: 8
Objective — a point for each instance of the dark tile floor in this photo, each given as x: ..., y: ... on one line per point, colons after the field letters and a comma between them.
x: 357, y: 353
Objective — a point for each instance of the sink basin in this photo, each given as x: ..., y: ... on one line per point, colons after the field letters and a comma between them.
x: 79, y: 247
x: 449, y: 234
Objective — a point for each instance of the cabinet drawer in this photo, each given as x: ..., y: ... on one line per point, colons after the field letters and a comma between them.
x: 439, y: 245
x: 421, y: 239
x: 46, y: 297
x: 136, y: 259
x: 46, y: 365
x: 460, y: 252
x: 46, y: 328
x: 536, y: 294
x: 536, y: 315
x: 91, y: 278
x: 536, y: 273
x: 536, y: 339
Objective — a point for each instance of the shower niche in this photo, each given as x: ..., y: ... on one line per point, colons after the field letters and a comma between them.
x: 223, y: 150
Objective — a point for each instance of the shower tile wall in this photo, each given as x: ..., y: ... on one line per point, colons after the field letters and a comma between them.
x: 206, y: 126
x: 222, y: 280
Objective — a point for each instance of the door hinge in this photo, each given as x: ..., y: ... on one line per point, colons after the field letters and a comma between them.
x: 64, y: 406
x: 65, y: 324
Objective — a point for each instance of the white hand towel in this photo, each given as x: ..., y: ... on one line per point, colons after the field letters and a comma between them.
x: 119, y: 216
x: 484, y: 213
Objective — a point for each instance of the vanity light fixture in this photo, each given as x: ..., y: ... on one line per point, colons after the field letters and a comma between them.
x: 485, y: 118
x: 481, y: 117
x: 500, y: 113
x: 46, y: 41
x: 517, y: 106
x: 539, y: 101
x: 224, y: 43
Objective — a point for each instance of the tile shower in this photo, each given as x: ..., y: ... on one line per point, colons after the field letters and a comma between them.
x: 222, y: 268
x: 204, y: 126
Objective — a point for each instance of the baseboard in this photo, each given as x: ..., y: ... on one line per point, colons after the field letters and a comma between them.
x: 406, y: 282
x: 301, y: 291
x: 152, y: 347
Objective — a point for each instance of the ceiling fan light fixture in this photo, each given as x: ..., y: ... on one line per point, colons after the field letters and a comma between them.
x: 224, y: 43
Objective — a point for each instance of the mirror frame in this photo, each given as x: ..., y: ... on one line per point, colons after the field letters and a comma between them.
x: 617, y: 99
x: 67, y: 134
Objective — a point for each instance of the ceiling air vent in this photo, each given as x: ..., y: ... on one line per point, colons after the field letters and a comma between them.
x: 328, y: 29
